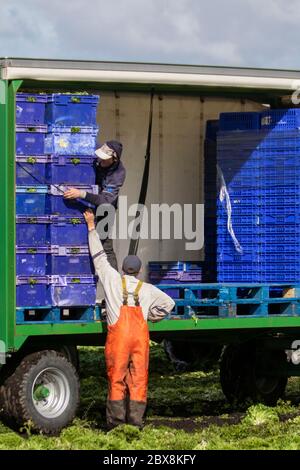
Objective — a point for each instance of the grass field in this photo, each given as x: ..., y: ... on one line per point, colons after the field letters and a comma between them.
x: 185, y: 411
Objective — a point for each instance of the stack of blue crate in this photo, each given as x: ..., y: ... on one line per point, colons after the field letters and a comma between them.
x: 210, y: 201
x: 53, y: 263
x: 174, y: 273
x: 258, y: 219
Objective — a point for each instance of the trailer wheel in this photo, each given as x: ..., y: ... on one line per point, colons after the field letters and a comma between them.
x: 240, y: 377
x: 42, y: 392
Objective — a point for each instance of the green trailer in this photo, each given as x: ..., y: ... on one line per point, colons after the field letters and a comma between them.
x: 39, y: 381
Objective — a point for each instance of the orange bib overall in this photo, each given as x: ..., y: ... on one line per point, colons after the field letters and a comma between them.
x: 127, y: 360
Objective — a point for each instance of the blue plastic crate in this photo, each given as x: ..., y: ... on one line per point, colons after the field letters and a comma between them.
x: 72, y: 169
x: 69, y: 207
x: 249, y: 230
x: 30, y: 140
x: 281, y: 173
x: 239, y: 121
x: 276, y: 200
x: 33, y: 231
x: 68, y: 231
x: 281, y: 119
x: 33, y: 261
x: 68, y: 291
x: 71, y: 260
x: 32, y: 200
x: 278, y: 159
x: 33, y: 291
x: 275, y: 229
x: 234, y: 257
x: 71, y: 109
x: 33, y: 170
x: 229, y: 272
x: 274, y: 239
x: 242, y: 180
x: 281, y: 276
x: 285, y: 257
x: 251, y: 165
x: 280, y: 214
x: 65, y: 140
x: 30, y: 108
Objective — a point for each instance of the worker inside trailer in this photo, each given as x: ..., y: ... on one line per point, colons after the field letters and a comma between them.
x: 110, y: 177
x: 129, y: 304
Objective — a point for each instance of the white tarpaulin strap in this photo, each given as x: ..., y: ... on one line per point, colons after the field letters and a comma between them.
x: 225, y: 196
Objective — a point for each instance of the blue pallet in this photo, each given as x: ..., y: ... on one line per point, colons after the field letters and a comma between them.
x: 165, y: 266
x: 177, y: 292
x: 68, y: 231
x: 33, y: 291
x: 65, y: 140
x: 71, y: 109
x: 71, y: 260
x: 32, y: 170
x: 30, y: 140
x: 72, y: 169
x: 73, y: 291
x: 30, y: 108
x: 33, y: 261
x: 281, y: 119
x: 69, y: 207
x: 32, y: 231
x: 185, y: 276
x: 32, y: 200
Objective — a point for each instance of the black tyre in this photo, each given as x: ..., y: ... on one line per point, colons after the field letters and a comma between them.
x: 233, y: 374
x: 42, y: 391
x: 71, y: 353
x: 241, y: 377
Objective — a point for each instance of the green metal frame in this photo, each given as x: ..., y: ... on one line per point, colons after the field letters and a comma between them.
x: 7, y: 212
x: 15, y: 335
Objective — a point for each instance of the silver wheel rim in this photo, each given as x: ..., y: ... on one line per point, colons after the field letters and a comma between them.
x: 51, y: 392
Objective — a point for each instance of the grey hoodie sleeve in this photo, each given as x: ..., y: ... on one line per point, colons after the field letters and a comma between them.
x: 161, y: 305
x: 102, y: 266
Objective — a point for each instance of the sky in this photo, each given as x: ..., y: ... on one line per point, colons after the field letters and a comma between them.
x: 251, y: 33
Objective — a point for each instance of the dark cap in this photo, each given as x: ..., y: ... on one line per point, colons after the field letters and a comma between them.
x: 131, y: 264
x: 116, y: 147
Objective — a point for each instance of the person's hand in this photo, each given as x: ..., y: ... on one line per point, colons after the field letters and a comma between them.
x: 89, y: 218
x: 72, y: 193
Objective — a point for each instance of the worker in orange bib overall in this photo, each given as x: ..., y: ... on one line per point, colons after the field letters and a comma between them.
x: 129, y: 304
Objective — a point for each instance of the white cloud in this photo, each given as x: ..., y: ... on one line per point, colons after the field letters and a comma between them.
x: 235, y: 32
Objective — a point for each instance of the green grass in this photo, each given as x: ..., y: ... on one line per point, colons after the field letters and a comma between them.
x: 185, y: 411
